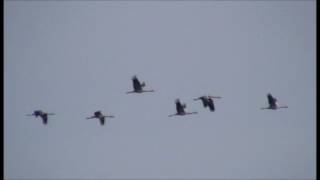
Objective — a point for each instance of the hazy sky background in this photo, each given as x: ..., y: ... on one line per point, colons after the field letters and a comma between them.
x: 75, y: 57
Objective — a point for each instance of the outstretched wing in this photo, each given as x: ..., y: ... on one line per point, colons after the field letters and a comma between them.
x: 44, y: 119
x: 204, y: 100
x: 102, y: 120
x: 179, y: 107
x: 136, y: 84
x: 271, y: 100
x: 211, y: 104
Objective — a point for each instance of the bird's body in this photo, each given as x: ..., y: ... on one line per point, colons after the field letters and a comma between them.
x: 273, y: 103
x: 138, y: 87
x: 99, y: 116
x: 180, y: 109
x: 207, y: 101
x: 43, y: 115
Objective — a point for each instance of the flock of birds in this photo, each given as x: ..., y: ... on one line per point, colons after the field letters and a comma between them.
x: 207, y: 101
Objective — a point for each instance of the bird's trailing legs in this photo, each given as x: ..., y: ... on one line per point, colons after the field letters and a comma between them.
x: 283, y: 107
x: 151, y: 90
x: 194, y: 112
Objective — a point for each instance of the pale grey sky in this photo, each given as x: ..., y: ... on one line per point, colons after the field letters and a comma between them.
x: 75, y: 57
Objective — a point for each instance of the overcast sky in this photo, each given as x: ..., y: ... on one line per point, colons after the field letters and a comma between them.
x: 75, y: 57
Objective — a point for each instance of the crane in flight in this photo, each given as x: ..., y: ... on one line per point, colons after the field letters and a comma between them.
x: 180, y: 109
x: 100, y: 116
x: 273, y: 104
x: 207, y: 101
x: 138, y: 87
x: 43, y: 115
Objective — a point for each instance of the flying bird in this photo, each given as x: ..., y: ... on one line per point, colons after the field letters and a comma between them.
x: 137, y: 86
x: 273, y: 104
x: 180, y: 109
x: 43, y: 115
x: 207, y: 101
x: 100, y: 116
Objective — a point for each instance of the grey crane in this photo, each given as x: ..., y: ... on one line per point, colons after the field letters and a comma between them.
x: 180, y: 109
x: 43, y: 115
x: 207, y: 101
x: 273, y: 104
x: 137, y: 86
x: 100, y: 116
